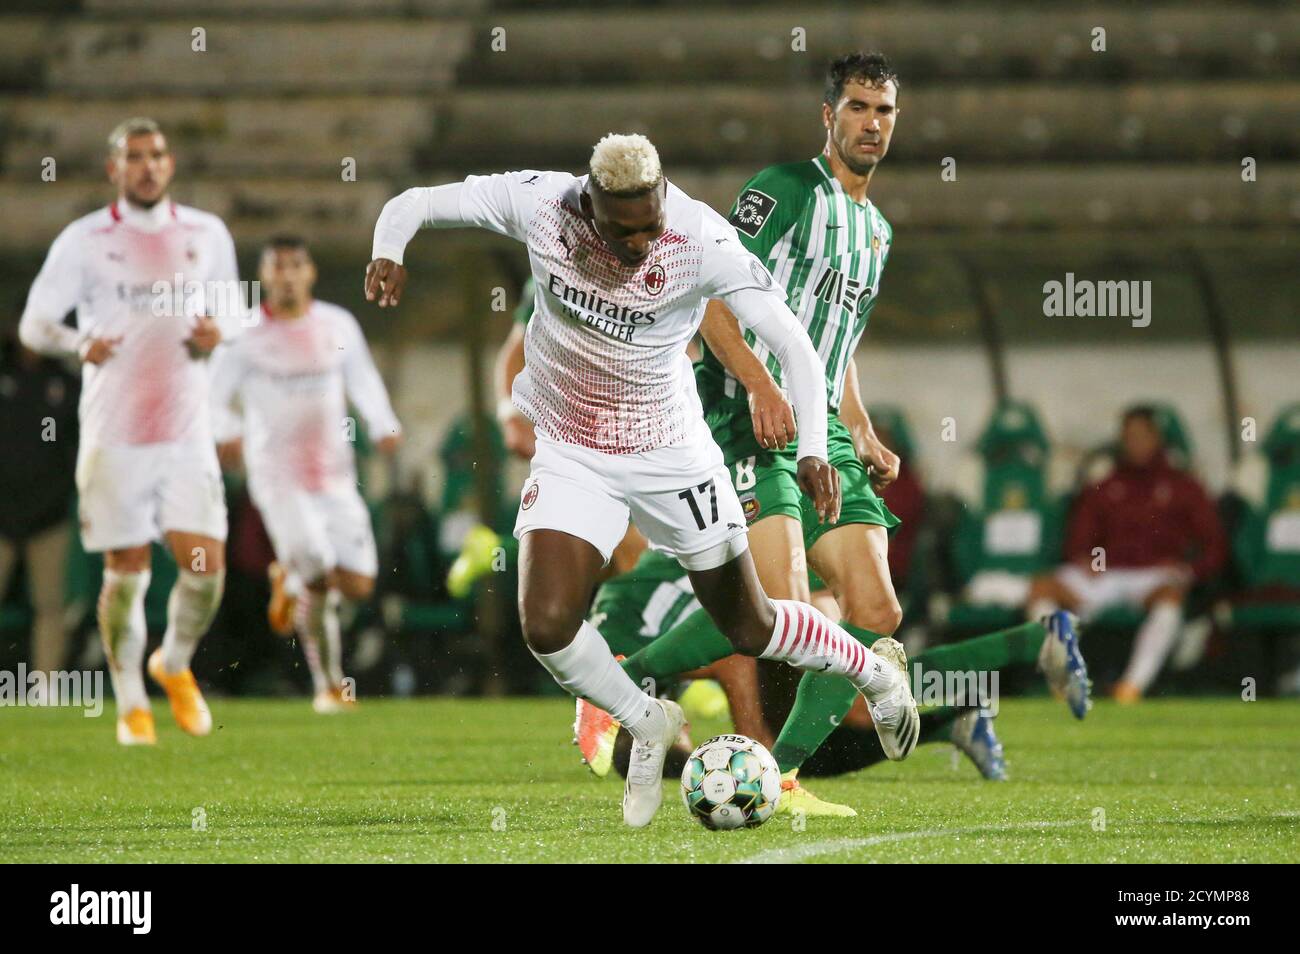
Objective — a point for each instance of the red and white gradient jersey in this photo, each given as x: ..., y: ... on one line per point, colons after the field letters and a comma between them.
x: 142, y: 276
x: 605, y: 351
x: 284, y: 386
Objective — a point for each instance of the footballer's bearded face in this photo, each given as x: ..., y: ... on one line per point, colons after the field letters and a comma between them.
x: 142, y: 167
x: 288, y: 276
x: 628, y: 226
x: 861, y: 124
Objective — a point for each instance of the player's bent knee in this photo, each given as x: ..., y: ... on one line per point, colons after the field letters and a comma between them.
x: 884, y: 619
x: 548, y: 625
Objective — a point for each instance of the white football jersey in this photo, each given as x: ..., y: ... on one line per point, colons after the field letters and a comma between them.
x: 284, y: 386
x: 605, y: 364
x: 142, y: 276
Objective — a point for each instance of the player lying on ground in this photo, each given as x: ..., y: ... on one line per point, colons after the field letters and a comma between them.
x: 280, y: 400
x: 632, y: 607
x: 146, y: 466
x: 623, y: 262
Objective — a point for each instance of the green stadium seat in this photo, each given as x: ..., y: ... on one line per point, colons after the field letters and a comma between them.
x: 1015, y: 525
x: 1266, y: 545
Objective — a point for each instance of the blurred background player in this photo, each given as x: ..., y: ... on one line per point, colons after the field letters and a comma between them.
x: 1139, y: 538
x: 623, y: 261
x: 146, y: 466
x: 280, y: 398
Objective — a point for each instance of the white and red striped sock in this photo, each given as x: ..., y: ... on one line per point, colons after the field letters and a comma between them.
x: 806, y: 638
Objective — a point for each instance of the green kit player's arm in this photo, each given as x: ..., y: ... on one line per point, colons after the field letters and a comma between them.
x: 883, y: 462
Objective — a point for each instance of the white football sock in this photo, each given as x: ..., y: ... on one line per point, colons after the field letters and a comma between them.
x: 122, y: 629
x: 322, y: 640
x: 191, y: 606
x: 806, y: 638
x: 1154, y: 640
x: 588, y: 669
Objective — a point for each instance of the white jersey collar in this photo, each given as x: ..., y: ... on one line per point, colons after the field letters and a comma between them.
x: 146, y: 220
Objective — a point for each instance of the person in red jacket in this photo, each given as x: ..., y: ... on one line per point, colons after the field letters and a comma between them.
x: 1140, y: 537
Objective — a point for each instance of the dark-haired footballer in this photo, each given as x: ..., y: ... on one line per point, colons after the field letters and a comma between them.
x: 280, y: 399
x: 812, y: 226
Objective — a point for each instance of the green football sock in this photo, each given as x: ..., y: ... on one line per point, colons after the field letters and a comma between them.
x: 691, y: 644
x: 823, y: 701
x: 820, y: 704
x: 1008, y: 647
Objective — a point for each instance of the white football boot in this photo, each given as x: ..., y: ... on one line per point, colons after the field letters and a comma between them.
x: 645, y: 771
x: 898, y: 725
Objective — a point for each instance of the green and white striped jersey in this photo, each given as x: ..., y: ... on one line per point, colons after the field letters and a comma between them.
x: 828, y: 252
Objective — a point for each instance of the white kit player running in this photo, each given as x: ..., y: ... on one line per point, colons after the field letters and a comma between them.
x: 623, y: 262
x: 155, y: 289
x: 280, y: 397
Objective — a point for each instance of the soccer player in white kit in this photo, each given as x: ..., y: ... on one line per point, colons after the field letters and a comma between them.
x: 623, y: 262
x: 155, y: 289
x: 280, y: 397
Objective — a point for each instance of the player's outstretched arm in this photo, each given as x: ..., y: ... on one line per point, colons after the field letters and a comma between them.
x: 496, y: 202
x: 773, y: 418
x: 771, y: 320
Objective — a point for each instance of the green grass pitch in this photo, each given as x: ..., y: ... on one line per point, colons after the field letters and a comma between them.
x: 498, y: 781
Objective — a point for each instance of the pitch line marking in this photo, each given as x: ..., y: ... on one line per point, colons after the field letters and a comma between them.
x: 776, y: 856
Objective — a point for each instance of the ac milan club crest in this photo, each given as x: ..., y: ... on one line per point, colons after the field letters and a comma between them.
x: 655, y: 280
x: 530, y: 497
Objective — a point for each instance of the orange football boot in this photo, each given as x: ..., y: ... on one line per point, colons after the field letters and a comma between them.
x: 188, y: 708
x: 280, y: 611
x: 136, y: 728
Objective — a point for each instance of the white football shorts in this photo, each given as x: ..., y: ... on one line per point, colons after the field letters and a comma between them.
x: 679, y: 497
x: 313, y: 533
x: 133, y: 494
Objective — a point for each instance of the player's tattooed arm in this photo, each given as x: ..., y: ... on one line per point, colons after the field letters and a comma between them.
x: 779, y: 330
x: 821, y: 482
x: 773, y: 418
x: 880, y: 460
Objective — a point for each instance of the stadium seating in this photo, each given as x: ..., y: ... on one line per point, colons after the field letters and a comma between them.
x: 1266, y: 545
x: 1011, y: 521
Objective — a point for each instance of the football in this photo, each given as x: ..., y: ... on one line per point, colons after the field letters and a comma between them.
x: 731, y: 781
